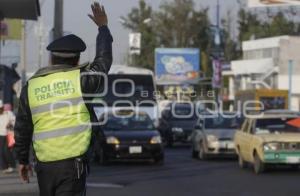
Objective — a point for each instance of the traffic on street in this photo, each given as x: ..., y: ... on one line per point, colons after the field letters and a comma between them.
x: 180, y: 175
x: 149, y: 98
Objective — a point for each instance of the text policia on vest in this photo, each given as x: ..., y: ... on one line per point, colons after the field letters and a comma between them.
x: 60, y: 88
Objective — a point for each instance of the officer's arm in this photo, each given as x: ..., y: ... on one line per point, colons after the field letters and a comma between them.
x: 23, y: 129
x: 92, y: 79
x: 93, y: 83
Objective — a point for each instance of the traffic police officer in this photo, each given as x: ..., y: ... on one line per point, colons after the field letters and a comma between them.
x: 54, y: 115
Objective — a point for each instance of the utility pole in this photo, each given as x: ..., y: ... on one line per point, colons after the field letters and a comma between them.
x: 0, y: 38
x: 218, y: 14
x: 1, y: 19
x: 217, y: 57
x: 40, y: 33
x: 290, y: 68
x: 58, y: 19
x: 23, y: 53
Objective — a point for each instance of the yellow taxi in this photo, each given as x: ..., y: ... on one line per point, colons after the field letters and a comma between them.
x: 269, y: 138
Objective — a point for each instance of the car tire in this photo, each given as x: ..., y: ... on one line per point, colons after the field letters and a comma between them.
x: 159, y: 161
x: 259, y: 166
x: 103, y: 160
x: 194, y: 153
x: 242, y: 163
x: 201, y: 154
x: 170, y: 143
x: 295, y: 167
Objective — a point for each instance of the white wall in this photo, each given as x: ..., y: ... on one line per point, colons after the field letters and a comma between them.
x: 283, y: 83
x: 272, y: 42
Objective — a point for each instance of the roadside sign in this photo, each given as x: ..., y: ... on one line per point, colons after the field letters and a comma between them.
x: 176, y: 66
x: 217, y: 74
x: 11, y: 29
x: 135, y: 43
x: 269, y: 3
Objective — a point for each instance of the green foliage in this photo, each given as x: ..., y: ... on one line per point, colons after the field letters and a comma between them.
x: 253, y: 26
x: 180, y: 24
x: 135, y: 21
x: 176, y: 24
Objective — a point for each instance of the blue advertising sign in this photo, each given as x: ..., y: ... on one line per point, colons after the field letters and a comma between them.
x: 177, y: 66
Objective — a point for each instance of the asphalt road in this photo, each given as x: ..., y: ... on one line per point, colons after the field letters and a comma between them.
x: 181, y: 176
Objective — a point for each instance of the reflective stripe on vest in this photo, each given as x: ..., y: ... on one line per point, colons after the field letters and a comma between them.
x: 60, y: 117
x: 59, y: 132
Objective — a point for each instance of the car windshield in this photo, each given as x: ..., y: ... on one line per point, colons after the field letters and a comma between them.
x: 277, y: 125
x: 183, y: 112
x: 142, y: 89
x: 221, y: 122
x: 128, y: 123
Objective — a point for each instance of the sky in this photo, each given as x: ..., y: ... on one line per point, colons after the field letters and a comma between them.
x: 77, y: 22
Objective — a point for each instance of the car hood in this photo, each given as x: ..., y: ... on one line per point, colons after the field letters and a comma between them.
x: 140, y: 136
x: 185, y: 125
x: 285, y: 137
x: 221, y: 133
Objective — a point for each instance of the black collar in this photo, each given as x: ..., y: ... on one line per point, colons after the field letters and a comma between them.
x: 57, y: 68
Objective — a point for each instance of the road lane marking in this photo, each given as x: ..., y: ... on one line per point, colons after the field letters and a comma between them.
x: 105, y: 185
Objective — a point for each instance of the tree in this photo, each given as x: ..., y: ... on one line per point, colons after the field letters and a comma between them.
x: 252, y: 26
x: 177, y: 24
x: 180, y: 25
x: 138, y: 20
x: 231, y: 50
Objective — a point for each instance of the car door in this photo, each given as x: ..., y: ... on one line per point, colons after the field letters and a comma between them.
x: 197, y: 134
x: 251, y: 141
x: 242, y: 138
x: 248, y: 148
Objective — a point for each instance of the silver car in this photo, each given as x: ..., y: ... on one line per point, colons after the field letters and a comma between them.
x: 214, y: 136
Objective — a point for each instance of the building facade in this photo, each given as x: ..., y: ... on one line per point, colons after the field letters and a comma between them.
x: 265, y: 65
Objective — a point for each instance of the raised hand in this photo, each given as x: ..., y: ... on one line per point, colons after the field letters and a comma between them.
x: 99, y: 16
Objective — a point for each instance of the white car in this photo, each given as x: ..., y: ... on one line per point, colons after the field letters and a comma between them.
x: 214, y: 137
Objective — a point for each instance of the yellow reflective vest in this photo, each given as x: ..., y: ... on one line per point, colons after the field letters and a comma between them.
x: 61, y: 120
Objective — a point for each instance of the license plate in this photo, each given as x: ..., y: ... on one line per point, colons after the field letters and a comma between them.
x: 230, y: 145
x: 227, y: 145
x: 135, y: 150
x: 293, y: 160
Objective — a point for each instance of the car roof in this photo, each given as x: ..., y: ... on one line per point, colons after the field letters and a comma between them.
x: 223, y: 112
x: 126, y: 112
x: 272, y: 114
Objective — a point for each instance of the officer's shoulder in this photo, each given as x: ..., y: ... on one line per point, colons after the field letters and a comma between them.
x: 85, y: 66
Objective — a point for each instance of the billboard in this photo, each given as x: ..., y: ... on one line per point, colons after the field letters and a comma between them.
x: 11, y: 29
x: 268, y: 3
x: 217, y: 74
x: 175, y: 66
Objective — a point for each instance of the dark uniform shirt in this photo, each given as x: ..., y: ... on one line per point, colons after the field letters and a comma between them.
x: 90, y: 84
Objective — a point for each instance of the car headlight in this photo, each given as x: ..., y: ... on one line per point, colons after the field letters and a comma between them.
x: 177, y: 129
x: 211, y: 138
x: 271, y: 146
x: 112, y: 140
x: 156, y: 140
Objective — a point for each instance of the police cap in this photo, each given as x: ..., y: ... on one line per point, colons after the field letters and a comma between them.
x: 67, y: 44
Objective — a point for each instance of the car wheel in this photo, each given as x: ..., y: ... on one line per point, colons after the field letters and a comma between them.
x: 242, y: 163
x: 170, y: 143
x: 159, y: 160
x: 295, y: 167
x: 194, y: 153
x: 259, y: 166
x: 103, y: 160
x: 201, y: 154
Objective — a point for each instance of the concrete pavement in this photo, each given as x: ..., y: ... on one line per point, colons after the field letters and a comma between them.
x: 11, y: 185
x: 180, y: 176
